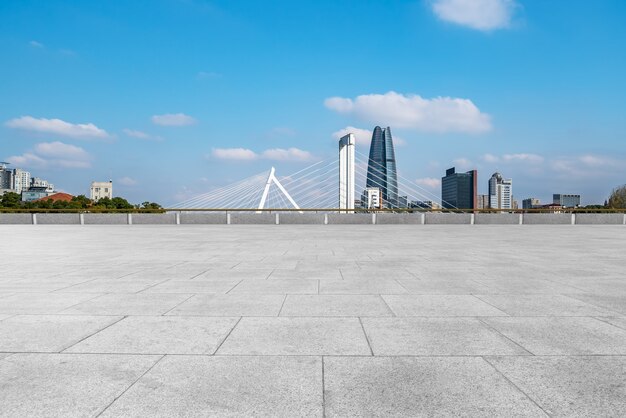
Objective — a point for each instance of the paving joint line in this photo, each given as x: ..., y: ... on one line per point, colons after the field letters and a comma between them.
x: 493, y: 329
x: 490, y: 304
x: 393, y: 314
x: 323, y: 389
x: 130, y: 386
x: 515, y: 386
x: 366, y: 337
x: 281, y: 306
x: 91, y: 335
x: 177, y: 305
x: 232, y: 288
x: 227, y: 335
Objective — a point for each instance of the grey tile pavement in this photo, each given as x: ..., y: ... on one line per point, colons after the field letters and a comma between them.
x: 48, y: 333
x: 570, y: 386
x: 159, y: 335
x: 230, y: 305
x: 436, y: 337
x: 409, y: 387
x: 226, y: 387
x: 296, y: 336
x: 335, y: 320
x: 64, y: 385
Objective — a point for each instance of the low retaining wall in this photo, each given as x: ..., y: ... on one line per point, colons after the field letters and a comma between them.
x: 311, y: 218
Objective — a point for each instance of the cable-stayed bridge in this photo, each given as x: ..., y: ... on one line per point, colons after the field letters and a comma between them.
x: 314, y: 187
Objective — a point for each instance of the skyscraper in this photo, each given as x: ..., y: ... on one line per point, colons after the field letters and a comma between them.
x: 381, y: 169
x: 458, y: 190
x: 500, y: 192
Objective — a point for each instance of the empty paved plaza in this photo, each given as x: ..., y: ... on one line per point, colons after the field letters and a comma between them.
x: 313, y: 320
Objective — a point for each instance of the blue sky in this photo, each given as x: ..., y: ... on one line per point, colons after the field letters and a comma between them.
x: 171, y: 98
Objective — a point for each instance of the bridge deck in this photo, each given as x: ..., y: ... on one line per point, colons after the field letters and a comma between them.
x: 355, y: 320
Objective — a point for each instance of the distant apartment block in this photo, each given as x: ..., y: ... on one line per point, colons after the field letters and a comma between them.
x: 459, y: 190
x: 21, y: 180
x: 531, y: 203
x: 483, y: 201
x: 500, y: 192
x: 566, y: 200
x: 6, y: 177
x: 101, y: 189
x: 372, y: 198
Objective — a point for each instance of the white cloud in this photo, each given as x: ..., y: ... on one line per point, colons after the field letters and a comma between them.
x: 438, y: 115
x: 53, y: 154
x: 173, y: 119
x: 234, y: 154
x: 363, y: 136
x: 27, y: 160
x: 529, y: 158
x: 462, y: 163
x: 127, y: 181
x: 291, y: 154
x: 141, y: 135
x: 278, y: 154
x: 490, y: 158
x: 136, y: 134
x: 60, y: 150
x: 429, y: 182
x: 35, y: 44
x: 57, y: 127
x: 482, y: 15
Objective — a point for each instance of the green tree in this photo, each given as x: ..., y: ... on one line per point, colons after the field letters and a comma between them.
x: 10, y: 200
x: 617, y: 200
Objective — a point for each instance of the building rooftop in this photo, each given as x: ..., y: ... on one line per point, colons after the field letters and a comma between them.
x: 328, y: 320
x: 57, y: 197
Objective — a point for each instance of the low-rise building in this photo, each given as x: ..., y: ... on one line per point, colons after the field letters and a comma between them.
x: 101, y: 189
x: 566, y: 200
x: 531, y: 203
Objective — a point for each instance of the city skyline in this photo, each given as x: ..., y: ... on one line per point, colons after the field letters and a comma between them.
x: 231, y: 88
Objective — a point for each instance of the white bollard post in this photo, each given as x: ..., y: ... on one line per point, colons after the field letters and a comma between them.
x: 81, y: 217
x: 129, y: 218
x: 177, y: 218
x: 373, y: 218
x: 34, y: 219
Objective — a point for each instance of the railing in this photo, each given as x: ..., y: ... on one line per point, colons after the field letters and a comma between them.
x: 314, y: 210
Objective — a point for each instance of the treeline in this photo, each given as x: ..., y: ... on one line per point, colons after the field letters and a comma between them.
x: 12, y: 200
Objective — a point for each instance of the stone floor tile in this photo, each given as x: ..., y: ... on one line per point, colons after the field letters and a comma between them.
x: 193, y: 286
x: 440, y: 305
x: 234, y: 274
x: 360, y: 287
x: 562, y: 335
x: 542, y: 305
x: 66, y: 385
x: 159, y: 335
x: 578, y: 386
x: 48, y: 333
x: 441, y: 287
x: 335, y: 305
x: 42, y: 303
x: 230, y: 305
x: 128, y: 304
x: 322, y: 274
x: 296, y: 336
x: 615, y: 303
x: 436, y: 337
x: 225, y: 387
x: 276, y: 287
x: 412, y: 387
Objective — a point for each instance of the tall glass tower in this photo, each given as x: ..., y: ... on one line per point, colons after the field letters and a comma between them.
x: 381, y: 170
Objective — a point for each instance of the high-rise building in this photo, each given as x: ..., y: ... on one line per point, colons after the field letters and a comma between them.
x: 459, y: 190
x: 566, y: 200
x: 381, y: 170
x: 500, y: 192
x: 6, y: 177
x: 531, y: 203
x: 101, y: 189
x: 346, y: 172
x: 21, y: 180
